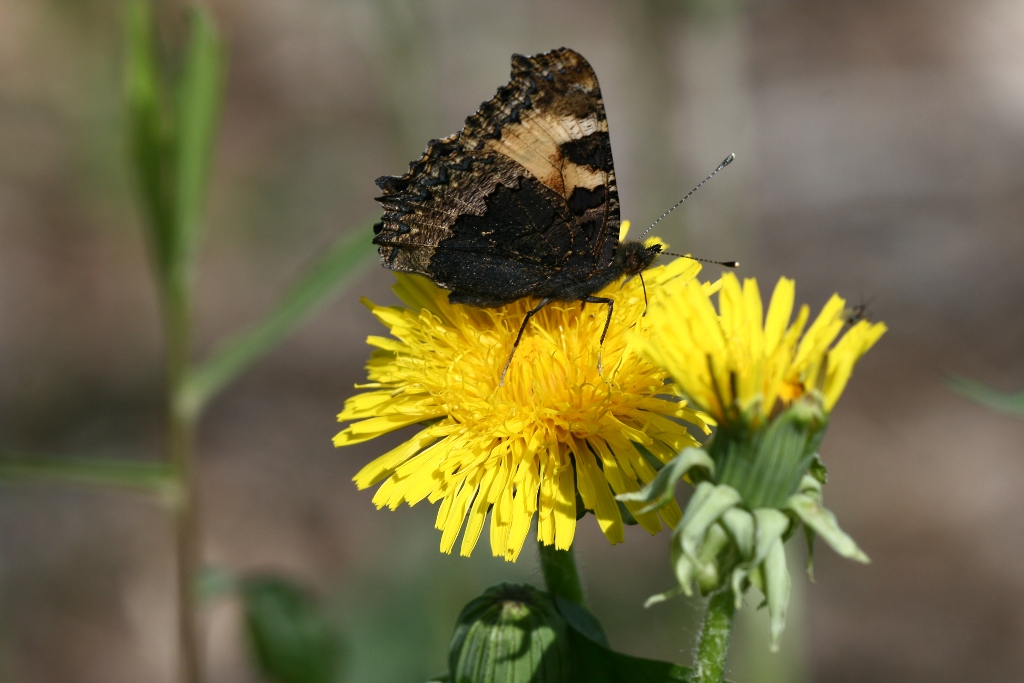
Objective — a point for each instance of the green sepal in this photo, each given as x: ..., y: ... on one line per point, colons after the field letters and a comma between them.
x: 818, y: 470
x: 764, y: 529
x: 696, y: 541
x: 809, y: 540
x: 290, y: 635
x: 661, y: 490
x: 709, y: 502
x: 742, y: 528
x: 765, y: 464
x: 678, y: 589
x: 807, y: 506
x: 771, y: 525
x: 708, y: 573
x: 777, y: 589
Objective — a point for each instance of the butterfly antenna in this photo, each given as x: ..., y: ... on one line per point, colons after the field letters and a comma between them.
x: 726, y: 264
x: 728, y: 160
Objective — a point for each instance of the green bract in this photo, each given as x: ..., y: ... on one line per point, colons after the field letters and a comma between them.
x: 755, y: 487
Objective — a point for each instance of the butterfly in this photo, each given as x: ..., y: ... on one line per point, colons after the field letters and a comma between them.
x: 521, y: 202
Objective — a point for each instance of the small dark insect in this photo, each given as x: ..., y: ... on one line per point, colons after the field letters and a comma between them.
x: 522, y: 202
x: 854, y: 314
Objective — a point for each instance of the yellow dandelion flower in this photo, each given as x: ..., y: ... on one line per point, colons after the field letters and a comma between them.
x: 739, y: 362
x: 555, y: 428
x: 770, y: 381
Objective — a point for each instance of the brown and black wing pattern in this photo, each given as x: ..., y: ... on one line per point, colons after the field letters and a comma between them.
x: 522, y: 202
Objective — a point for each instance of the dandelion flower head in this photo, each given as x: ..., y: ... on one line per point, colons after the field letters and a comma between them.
x: 557, y: 426
x: 738, y: 362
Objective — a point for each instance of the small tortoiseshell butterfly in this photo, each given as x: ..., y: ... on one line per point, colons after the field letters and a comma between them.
x: 521, y: 202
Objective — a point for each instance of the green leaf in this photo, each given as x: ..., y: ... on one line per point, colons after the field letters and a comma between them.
x: 581, y: 620
x: 661, y: 490
x: 148, y: 125
x: 598, y: 663
x: 337, y: 268
x: 145, y: 477
x: 198, y: 100
x: 986, y: 396
x: 639, y: 670
x: 291, y: 638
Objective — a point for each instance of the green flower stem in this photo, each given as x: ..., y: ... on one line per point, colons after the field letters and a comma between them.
x: 560, y: 573
x: 715, y: 632
x: 181, y: 419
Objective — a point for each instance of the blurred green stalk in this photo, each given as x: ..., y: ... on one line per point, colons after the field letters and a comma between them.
x: 181, y: 424
x: 173, y: 134
x: 173, y: 130
x: 986, y: 396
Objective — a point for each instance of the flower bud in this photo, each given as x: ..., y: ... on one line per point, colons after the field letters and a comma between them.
x: 511, y: 634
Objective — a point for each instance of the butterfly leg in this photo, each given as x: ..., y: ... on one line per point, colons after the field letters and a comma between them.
x: 644, y: 285
x: 607, y: 322
x: 522, y: 328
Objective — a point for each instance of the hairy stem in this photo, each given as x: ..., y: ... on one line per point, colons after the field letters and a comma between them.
x: 713, y: 644
x: 560, y: 573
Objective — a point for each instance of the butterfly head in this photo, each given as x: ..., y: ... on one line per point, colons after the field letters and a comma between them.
x: 636, y: 257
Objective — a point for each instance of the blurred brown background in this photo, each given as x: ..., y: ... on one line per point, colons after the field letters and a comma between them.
x: 880, y: 154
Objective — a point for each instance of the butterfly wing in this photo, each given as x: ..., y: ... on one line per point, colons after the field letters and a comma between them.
x: 522, y: 199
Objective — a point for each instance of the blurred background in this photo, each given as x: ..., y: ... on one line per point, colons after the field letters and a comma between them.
x: 880, y: 154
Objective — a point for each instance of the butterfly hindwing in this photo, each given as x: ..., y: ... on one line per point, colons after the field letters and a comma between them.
x: 521, y: 201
